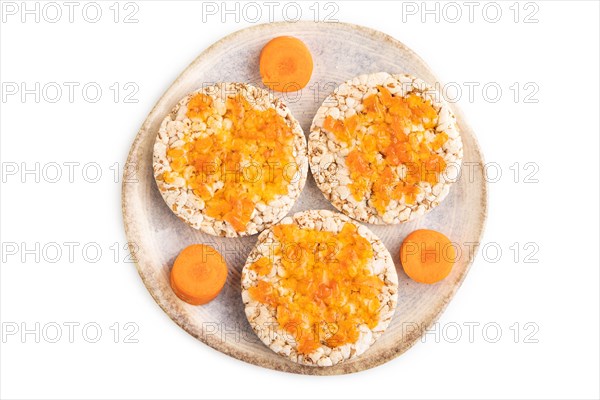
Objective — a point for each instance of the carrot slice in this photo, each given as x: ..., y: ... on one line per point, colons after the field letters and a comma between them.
x: 286, y: 64
x: 427, y: 256
x: 198, y: 274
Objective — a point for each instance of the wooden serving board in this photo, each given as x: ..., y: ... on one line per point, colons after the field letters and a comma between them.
x: 341, y: 51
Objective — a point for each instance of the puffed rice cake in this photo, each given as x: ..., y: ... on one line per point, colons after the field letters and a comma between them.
x: 177, y: 129
x: 264, y: 317
x: 329, y: 155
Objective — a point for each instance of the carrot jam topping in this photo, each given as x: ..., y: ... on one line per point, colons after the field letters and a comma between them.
x: 325, y: 288
x: 388, y: 157
x: 247, y: 159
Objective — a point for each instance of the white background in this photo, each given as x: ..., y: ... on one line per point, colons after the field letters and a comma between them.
x: 558, y: 295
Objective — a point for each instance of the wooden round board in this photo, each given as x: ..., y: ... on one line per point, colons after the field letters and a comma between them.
x: 341, y: 51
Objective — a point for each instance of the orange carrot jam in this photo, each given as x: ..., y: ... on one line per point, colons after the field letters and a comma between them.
x: 248, y: 160
x: 388, y: 158
x: 327, y: 289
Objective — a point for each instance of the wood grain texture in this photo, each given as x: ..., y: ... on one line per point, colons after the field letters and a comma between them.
x: 341, y: 51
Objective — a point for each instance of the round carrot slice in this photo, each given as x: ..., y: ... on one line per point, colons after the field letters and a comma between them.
x: 427, y: 256
x: 198, y: 274
x: 286, y: 64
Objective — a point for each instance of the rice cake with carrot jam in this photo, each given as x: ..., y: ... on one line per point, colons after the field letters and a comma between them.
x: 230, y: 159
x: 319, y: 288
x: 385, y: 149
